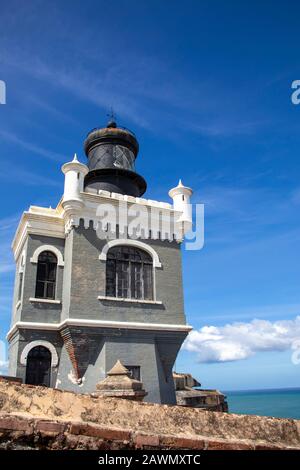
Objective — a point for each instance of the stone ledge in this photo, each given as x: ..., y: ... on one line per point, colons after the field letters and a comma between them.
x: 104, y: 423
x: 123, y: 299
x: 64, y: 435
x: 44, y: 301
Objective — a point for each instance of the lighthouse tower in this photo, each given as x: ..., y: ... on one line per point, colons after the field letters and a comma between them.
x: 88, y: 293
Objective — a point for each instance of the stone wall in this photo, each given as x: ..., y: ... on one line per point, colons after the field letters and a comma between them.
x: 37, y: 417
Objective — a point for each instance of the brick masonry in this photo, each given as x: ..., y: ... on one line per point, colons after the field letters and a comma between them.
x: 35, y: 433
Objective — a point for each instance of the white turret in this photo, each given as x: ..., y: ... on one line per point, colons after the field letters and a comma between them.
x: 181, y: 203
x: 74, y: 172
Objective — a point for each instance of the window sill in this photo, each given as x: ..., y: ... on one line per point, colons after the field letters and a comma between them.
x: 136, y: 301
x: 45, y: 301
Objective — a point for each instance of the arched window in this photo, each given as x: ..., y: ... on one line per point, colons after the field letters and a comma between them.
x: 38, y: 366
x: 46, y: 275
x: 129, y: 273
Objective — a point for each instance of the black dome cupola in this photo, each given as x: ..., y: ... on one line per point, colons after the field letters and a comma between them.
x: 111, y: 153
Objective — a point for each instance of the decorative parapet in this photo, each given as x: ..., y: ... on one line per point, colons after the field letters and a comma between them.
x: 112, y: 214
x: 156, y: 220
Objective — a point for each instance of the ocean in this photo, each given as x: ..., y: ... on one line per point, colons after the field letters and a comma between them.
x: 280, y: 403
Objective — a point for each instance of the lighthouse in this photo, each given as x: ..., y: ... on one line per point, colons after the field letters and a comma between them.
x: 88, y: 294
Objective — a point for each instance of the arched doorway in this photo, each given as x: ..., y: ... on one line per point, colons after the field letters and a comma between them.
x: 38, y: 368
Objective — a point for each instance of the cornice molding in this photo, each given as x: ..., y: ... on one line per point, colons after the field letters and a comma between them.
x: 40, y: 223
x: 97, y: 324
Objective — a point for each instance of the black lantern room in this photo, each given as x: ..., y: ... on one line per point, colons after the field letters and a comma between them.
x: 111, y: 153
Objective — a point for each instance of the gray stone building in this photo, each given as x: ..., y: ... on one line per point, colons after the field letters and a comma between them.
x: 98, y: 278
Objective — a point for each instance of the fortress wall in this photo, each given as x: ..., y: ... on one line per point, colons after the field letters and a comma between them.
x: 38, y: 417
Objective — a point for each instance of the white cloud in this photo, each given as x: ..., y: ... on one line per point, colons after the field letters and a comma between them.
x: 237, y: 341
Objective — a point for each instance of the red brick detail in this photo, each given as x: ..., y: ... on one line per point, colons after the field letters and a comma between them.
x: 8, y: 378
x: 100, y: 432
x: 227, y: 445
x: 67, y: 339
x: 14, y: 423
x: 181, y: 443
x: 145, y: 440
x: 269, y: 447
x: 50, y: 426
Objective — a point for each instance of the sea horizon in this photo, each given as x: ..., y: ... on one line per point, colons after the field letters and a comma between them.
x: 272, y: 402
x: 257, y: 389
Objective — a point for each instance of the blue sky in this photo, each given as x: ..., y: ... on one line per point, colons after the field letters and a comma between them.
x: 207, y: 91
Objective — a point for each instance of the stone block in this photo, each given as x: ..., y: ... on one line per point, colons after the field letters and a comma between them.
x: 14, y: 423
x: 227, y: 445
x: 100, y: 432
x: 50, y: 427
x: 181, y: 442
x: 144, y: 440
